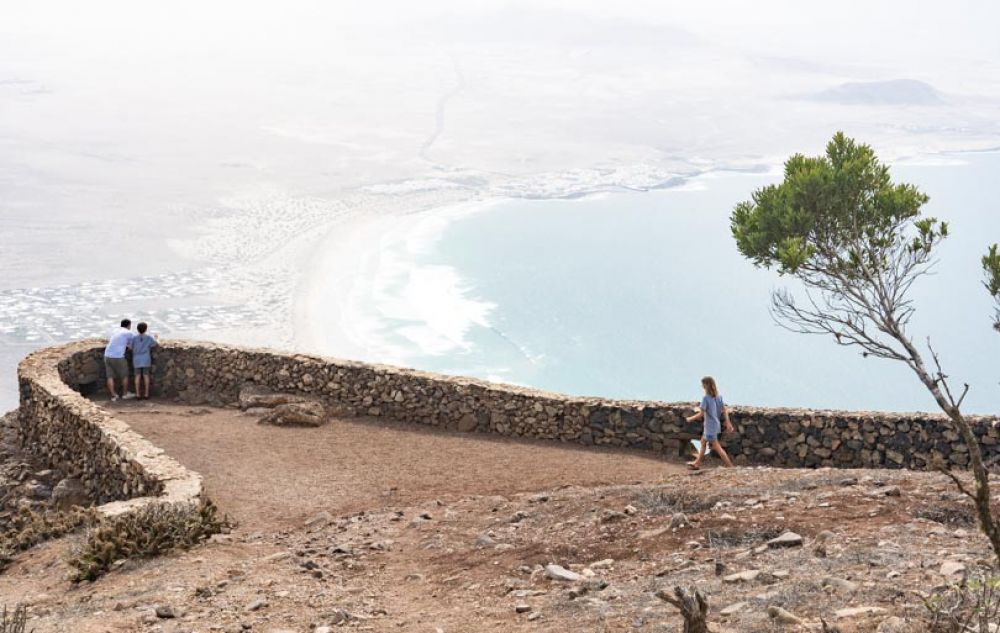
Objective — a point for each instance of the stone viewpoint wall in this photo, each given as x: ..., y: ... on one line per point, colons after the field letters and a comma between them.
x: 120, y: 469
x: 215, y: 374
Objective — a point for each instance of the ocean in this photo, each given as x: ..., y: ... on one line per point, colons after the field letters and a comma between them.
x: 638, y: 295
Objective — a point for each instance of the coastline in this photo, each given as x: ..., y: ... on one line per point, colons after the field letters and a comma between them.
x: 260, y: 274
x: 340, y: 298
x: 342, y: 287
x: 344, y: 262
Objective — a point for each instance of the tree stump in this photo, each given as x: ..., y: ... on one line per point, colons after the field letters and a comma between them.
x: 693, y: 608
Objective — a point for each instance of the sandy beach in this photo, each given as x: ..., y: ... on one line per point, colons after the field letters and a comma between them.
x: 341, y: 300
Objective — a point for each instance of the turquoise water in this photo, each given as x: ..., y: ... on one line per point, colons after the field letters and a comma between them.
x: 638, y: 295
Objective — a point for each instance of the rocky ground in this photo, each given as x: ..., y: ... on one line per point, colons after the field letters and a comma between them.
x: 772, y: 549
x: 28, y: 486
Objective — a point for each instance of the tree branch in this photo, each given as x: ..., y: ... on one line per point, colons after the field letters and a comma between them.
x: 958, y: 483
x: 847, y: 330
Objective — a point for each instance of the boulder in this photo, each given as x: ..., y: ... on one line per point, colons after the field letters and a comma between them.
x: 744, y: 576
x: 35, y: 490
x: 321, y: 520
x: 296, y: 414
x: 834, y: 584
x: 485, y: 540
x: 781, y: 616
x: 788, y: 539
x: 951, y: 568
x: 854, y: 612
x: 68, y: 493
x: 467, y: 423
x: 824, y: 536
x: 557, y: 572
x: 253, y: 398
x: 733, y: 609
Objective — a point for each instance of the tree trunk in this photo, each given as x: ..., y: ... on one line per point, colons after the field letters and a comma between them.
x: 693, y: 608
x: 981, y: 496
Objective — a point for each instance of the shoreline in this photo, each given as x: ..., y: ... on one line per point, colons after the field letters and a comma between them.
x: 338, y: 301
x: 325, y: 300
x: 345, y: 264
x: 283, y: 282
x: 325, y: 304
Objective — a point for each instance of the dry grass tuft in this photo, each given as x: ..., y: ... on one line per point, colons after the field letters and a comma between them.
x: 962, y: 516
x: 660, y: 501
x: 742, y: 537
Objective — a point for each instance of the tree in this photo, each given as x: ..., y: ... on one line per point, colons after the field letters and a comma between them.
x: 991, y: 270
x: 857, y: 242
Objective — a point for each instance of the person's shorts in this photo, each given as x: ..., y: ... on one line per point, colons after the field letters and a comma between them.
x: 143, y: 371
x: 711, y: 437
x: 116, y: 368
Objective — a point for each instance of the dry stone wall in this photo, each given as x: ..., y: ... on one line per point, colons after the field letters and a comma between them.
x: 205, y: 373
x: 120, y: 469
x: 215, y: 374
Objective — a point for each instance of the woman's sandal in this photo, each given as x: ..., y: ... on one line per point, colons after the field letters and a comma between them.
x: 693, y: 466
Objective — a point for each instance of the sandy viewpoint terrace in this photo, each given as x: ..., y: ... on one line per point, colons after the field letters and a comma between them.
x: 271, y: 477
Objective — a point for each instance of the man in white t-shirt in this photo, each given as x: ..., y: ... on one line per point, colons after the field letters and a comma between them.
x: 115, y: 365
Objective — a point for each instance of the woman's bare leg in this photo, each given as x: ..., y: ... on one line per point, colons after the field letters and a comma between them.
x: 702, y: 445
x: 721, y: 452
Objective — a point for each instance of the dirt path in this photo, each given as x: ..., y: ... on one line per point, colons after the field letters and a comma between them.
x: 269, y: 477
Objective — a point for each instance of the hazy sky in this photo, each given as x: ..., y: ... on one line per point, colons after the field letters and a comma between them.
x: 855, y: 29
x: 390, y: 89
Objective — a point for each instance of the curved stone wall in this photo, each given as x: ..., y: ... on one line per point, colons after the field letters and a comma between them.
x: 215, y: 374
x: 120, y: 469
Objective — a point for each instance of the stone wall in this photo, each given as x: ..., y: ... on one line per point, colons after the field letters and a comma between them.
x: 119, y: 468
x: 215, y: 374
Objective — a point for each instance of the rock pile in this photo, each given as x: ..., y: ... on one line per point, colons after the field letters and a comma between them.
x: 282, y: 409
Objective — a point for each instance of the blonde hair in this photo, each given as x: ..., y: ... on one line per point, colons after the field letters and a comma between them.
x: 709, y: 384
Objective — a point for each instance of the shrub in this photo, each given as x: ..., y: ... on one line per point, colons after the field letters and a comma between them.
x: 972, y: 605
x: 153, y: 530
x: 28, y: 528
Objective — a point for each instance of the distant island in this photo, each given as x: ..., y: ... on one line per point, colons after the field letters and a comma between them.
x: 892, y: 92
